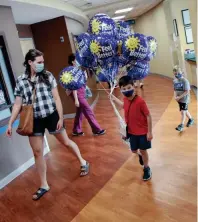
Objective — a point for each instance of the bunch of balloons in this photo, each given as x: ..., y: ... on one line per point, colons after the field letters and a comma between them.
x: 109, y: 46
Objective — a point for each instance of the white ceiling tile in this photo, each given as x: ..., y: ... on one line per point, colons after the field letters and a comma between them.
x: 92, y: 7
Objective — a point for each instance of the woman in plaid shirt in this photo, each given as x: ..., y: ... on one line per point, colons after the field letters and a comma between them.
x: 48, y: 114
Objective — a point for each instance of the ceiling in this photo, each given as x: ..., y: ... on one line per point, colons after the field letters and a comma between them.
x: 91, y: 7
x: 33, y: 11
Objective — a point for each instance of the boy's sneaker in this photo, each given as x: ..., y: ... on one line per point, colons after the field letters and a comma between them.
x: 100, y: 133
x: 190, y: 122
x: 180, y: 128
x: 78, y: 134
x: 147, y: 174
x: 140, y: 160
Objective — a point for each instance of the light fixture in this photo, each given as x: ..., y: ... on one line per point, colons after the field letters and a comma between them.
x: 123, y: 10
x: 119, y: 17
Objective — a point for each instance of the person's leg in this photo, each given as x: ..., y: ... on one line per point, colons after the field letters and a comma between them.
x: 147, y: 171
x: 188, y: 115
x: 180, y: 127
x: 63, y: 138
x: 144, y: 144
x: 190, y: 119
x: 183, y: 117
x: 78, y: 121
x: 36, y: 142
x: 145, y: 158
x: 134, y: 143
x: 89, y: 115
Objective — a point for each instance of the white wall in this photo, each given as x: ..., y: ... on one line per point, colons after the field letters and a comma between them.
x: 74, y: 27
x: 154, y: 23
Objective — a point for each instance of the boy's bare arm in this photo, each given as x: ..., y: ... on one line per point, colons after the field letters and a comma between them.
x: 117, y: 101
x: 149, y: 122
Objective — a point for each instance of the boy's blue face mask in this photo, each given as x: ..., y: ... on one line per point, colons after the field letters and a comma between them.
x: 128, y: 93
x: 178, y: 75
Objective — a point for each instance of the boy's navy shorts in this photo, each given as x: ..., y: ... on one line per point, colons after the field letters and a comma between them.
x: 139, y: 142
x: 183, y: 106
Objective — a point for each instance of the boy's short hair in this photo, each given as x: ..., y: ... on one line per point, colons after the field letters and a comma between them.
x: 125, y: 80
x: 71, y: 59
x: 177, y: 69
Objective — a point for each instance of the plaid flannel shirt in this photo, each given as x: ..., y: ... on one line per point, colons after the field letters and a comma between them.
x: 44, y: 102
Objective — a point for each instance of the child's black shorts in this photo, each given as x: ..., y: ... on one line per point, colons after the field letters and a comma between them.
x: 139, y: 142
x: 50, y: 123
x: 183, y: 106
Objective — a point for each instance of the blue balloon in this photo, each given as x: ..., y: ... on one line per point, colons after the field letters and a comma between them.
x: 139, y: 70
x: 87, y: 62
x: 152, y: 47
x: 103, y: 47
x: 135, y: 47
x: 102, y: 24
x: 101, y: 75
x: 122, y: 61
x: 82, y: 44
x: 72, y: 78
x: 123, y: 29
x: 111, y: 69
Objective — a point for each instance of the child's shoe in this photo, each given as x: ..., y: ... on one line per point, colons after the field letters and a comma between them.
x: 147, y: 174
x: 180, y: 128
x: 190, y: 122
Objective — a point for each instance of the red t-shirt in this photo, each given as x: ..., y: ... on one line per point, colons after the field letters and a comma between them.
x: 136, y: 117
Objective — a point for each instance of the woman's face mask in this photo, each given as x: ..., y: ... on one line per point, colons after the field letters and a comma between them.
x: 39, y: 67
x: 38, y: 64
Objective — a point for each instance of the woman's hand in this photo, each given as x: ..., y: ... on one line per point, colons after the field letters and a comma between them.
x: 9, y: 131
x: 60, y: 124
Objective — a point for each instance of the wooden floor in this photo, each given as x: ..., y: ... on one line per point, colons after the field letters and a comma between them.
x: 114, y: 191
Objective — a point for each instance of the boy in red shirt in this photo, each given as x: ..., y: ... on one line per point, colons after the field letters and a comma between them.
x: 139, y: 123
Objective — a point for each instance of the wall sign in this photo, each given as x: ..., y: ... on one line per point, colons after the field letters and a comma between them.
x: 186, y: 17
x: 189, y: 34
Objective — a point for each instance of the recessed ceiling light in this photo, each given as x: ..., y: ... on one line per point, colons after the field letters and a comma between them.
x: 123, y: 10
x: 119, y: 17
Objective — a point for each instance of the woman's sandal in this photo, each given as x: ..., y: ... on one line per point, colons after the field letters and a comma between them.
x: 84, y: 170
x: 39, y: 193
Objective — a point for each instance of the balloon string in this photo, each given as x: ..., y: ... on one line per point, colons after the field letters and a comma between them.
x: 120, y: 119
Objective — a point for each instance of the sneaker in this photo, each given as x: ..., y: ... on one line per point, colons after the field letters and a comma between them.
x: 78, y: 134
x: 100, y: 133
x: 147, y: 174
x: 140, y: 160
x: 180, y: 128
x: 190, y: 122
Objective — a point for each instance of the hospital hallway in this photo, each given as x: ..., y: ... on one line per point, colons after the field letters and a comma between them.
x: 114, y: 190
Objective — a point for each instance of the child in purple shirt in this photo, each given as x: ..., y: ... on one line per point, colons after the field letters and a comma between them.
x: 83, y: 108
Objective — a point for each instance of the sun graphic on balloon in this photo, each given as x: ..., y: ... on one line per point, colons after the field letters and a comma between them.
x: 98, y: 71
x: 96, y: 26
x: 118, y: 24
x: 77, y: 46
x: 153, y: 45
x: 95, y: 47
x: 132, y: 43
x: 66, y: 77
